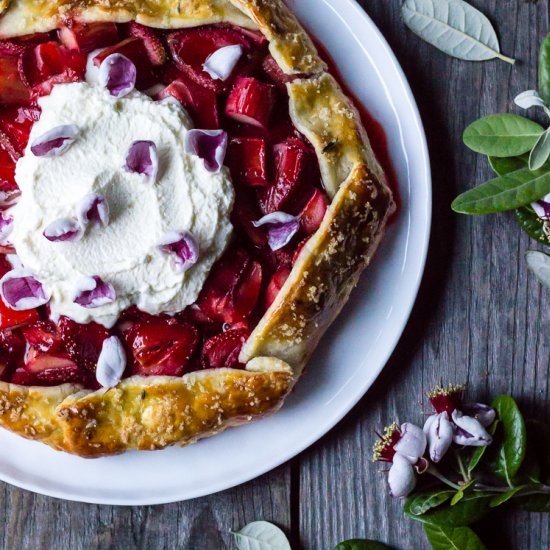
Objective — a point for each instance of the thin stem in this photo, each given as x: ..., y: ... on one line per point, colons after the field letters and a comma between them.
x: 463, y: 471
x: 433, y: 471
x: 540, y: 489
x: 507, y: 59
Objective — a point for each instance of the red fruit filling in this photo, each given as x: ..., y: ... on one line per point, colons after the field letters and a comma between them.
x: 273, y: 168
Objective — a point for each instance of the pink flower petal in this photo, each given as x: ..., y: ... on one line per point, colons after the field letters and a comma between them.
x: 439, y: 432
x: 220, y: 64
x: 93, y: 208
x: 142, y: 158
x: 183, y: 246
x: 401, y: 477
x: 118, y: 74
x: 208, y: 145
x: 21, y: 290
x: 6, y: 227
x: 412, y: 443
x: 469, y: 431
x: 54, y: 142
x: 64, y: 229
x: 111, y: 362
x: 93, y: 292
x: 282, y: 227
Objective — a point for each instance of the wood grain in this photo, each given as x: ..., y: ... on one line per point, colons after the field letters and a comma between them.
x: 480, y: 318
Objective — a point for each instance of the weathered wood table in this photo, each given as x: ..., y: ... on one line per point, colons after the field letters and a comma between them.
x: 480, y: 318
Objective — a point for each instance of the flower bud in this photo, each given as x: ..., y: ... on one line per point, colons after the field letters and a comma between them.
x: 439, y: 430
x: 482, y: 413
x: 469, y: 431
x: 412, y: 443
x: 401, y: 477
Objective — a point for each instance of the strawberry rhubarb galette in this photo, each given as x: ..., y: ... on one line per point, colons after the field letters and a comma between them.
x: 187, y: 200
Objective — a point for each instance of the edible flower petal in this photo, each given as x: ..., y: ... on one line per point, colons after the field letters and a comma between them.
x: 484, y: 414
x: 412, y: 443
x: 64, y: 229
x: 208, y: 145
x: 142, y: 158
x: 401, y: 477
x: 21, y: 290
x: 93, y: 292
x: 439, y: 431
x: 6, y: 227
x: 542, y: 207
x: 118, y: 74
x: 111, y: 362
x: 54, y: 142
x: 469, y: 431
x: 93, y: 208
x: 183, y: 246
x: 220, y: 64
x: 282, y: 227
x: 530, y: 98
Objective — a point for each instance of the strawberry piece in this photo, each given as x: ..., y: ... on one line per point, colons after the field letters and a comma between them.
x: 161, y: 346
x: 190, y: 48
x: 299, y: 248
x: 10, y: 318
x: 13, y: 89
x: 232, y: 289
x: 43, y: 336
x: 251, y: 102
x: 12, y: 351
x: 83, y: 342
x: 8, y: 47
x: 9, y: 192
x: 272, y: 70
x: 247, y: 160
x: 85, y: 37
x: 314, y: 211
x: 15, y: 127
x: 153, y: 45
x: 246, y: 211
x: 200, y: 102
x: 275, y: 284
x: 35, y: 38
x: 22, y: 377
x: 52, y: 368
x: 222, y: 350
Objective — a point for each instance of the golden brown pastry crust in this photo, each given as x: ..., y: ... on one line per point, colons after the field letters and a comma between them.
x: 154, y: 412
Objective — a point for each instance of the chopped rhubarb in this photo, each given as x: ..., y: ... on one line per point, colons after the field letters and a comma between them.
x: 200, y: 102
x: 251, y: 102
x: 314, y: 211
x: 13, y: 89
x: 275, y: 73
x: 222, y: 350
x: 161, y: 347
x: 153, y: 45
x: 247, y: 160
x: 275, y: 285
x: 8, y: 47
x: 85, y: 37
x: 231, y: 291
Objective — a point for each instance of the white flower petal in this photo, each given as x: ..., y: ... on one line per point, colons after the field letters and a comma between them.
x: 220, y: 64
x: 412, y: 443
x: 111, y: 362
x: 530, y: 98
x: 469, y: 431
x: 440, y: 436
x: 401, y: 477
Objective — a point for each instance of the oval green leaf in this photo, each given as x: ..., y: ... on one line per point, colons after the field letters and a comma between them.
x: 532, y: 224
x: 505, y: 135
x: 361, y: 544
x: 508, y: 192
x: 261, y: 535
x: 453, y: 538
x: 423, y: 502
x: 478, y: 452
x: 540, y: 152
x: 544, y: 70
x: 455, y: 27
x: 514, y: 440
x: 504, y: 165
x: 505, y: 497
x: 539, y: 264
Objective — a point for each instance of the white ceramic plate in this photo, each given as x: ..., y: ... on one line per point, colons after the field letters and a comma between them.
x: 352, y: 354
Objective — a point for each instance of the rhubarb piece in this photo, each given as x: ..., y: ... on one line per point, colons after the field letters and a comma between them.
x: 314, y: 211
x: 199, y: 102
x: 222, y: 350
x: 13, y: 89
x: 85, y: 37
x: 275, y: 73
x: 251, y: 102
x: 55, y: 142
x: 208, y: 145
x: 247, y: 160
x: 221, y: 63
x: 142, y: 158
x: 275, y: 284
x: 64, y: 229
x: 232, y: 288
x: 92, y: 292
x: 152, y: 43
x: 111, y: 363
x: 118, y: 74
x: 182, y: 246
x: 93, y: 208
x: 21, y: 290
x: 161, y: 346
x: 281, y: 228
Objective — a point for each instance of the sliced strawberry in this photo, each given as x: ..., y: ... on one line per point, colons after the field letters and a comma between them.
x: 10, y: 318
x: 314, y: 211
x: 11, y: 48
x: 85, y: 37
x: 153, y: 45
x: 247, y: 160
x: 222, y: 350
x: 200, y: 103
x: 275, y: 285
x: 83, y: 342
x: 13, y: 89
x: 52, y: 368
x: 15, y: 127
x: 12, y: 351
x: 190, y: 48
x: 275, y: 73
x: 43, y: 336
x: 251, y: 102
x: 161, y: 346
x: 22, y: 377
x: 9, y: 192
x: 131, y: 316
x: 232, y: 288
x: 245, y: 212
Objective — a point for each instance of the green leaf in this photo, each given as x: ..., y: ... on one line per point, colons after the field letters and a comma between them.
x: 459, y: 495
x: 540, y: 152
x: 361, y: 544
x: 478, y: 453
x: 531, y: 224
x: 544, y: 70
x: 508, y: 192
x: 261, y: 535
x: 512, y: 447
x: 423, y: 502
x: 505, y: 135
x: 539, y: 264
x: 504, y: 165
x: 535, y: 503
x: 455, y: 27
x: 470, y: 509
x: 453, y: 538
x: 505, y: 497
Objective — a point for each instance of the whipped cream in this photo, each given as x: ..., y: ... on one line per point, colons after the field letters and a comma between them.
x: 184, y: 197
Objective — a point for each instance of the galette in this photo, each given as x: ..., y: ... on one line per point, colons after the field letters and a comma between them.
x: 187, y: 199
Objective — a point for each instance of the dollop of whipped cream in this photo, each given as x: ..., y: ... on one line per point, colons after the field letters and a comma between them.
x: 184, y: 197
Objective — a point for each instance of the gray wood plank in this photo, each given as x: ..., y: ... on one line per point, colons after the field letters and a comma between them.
x: 480, y: 317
